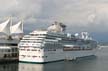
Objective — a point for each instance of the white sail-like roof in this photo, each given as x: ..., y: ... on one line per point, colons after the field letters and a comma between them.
x: 17, y: 28
x: 5, y: 27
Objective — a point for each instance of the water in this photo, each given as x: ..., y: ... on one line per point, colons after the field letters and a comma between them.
x: 99, y: 63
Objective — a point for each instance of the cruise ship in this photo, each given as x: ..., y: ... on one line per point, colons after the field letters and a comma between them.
x: 9, y: 41
x: 54, y: 44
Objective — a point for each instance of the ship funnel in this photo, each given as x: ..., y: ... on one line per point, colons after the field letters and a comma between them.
x: 57, y: 27
x: 63, y: 26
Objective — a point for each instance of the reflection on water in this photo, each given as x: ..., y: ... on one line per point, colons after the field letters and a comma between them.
x: 78, y: 65
x: 41, y: 67
x: 60, y: 66
x: 86, y: 64
x: 30, y: 67
x: 99, y: 63
x: 9, y: 67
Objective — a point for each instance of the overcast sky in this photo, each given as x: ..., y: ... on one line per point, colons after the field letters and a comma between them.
x: 78, y: 15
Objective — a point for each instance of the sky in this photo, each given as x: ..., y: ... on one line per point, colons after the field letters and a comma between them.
x: 78, y: 15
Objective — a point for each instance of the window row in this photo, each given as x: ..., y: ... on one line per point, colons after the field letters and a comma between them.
x: 34, y: 56
x: 29, y: 50
x: 9, y: 50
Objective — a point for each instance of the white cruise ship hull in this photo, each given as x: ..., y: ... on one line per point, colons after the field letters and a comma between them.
x: 52, y: 56
x: 54, y: 44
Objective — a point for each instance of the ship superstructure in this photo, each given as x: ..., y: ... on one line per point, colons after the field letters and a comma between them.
x: 53, y: 44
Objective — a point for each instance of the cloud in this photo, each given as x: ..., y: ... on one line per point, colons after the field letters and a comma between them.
x: 78, y: 15
x: 20, y: 8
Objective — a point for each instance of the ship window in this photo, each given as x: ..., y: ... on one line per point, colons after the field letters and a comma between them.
x: 34, y: 56
x: 28, y: 55
x: 11, y: 44
x: 8, y: 50
x: 14, y: 54
x: 23, y: 55
x: 28, y: 49
x: 34, y: 50
x: 46, y: 56
x: 15, y: 49
x: 22, y: 49
x: 5, y: 55
x: 12, y: 49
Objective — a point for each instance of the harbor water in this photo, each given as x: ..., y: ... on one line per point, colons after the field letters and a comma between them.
x: 93, y: 63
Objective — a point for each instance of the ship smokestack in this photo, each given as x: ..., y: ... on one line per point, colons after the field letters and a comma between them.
x: 63, y: 26
x: 57, y: 27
